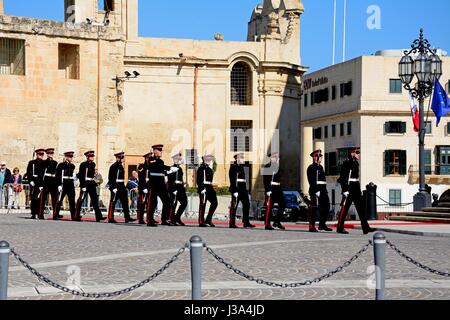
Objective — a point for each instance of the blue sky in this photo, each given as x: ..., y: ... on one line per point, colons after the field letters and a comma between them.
x: 400, y: 23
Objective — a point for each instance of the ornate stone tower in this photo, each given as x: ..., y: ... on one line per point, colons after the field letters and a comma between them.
x: 122, y: 14
x: 2, y: 10
x: 278, y: 21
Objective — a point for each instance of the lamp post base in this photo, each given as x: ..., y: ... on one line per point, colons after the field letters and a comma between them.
x: 422, y: 200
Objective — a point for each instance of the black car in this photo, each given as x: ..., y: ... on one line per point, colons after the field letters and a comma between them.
x: 297, y: 207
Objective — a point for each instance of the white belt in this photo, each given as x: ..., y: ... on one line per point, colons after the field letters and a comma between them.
x: 322, y: 182
x: 35, y: 176
x: 89, y: 179
x: 353, y: 180
x: 50, y: 175
x: 241, y: 180
x: 120, y: 181
x: 67, y: 178
x: 178, y: 182
x: 147, y: 180
x: 157, y: 174
x: 207, y: 182
x: 276, y: 184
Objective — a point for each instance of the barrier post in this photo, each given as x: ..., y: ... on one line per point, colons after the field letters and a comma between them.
x: 196, y: 248
x: 379, y: 244
x: 4, y: 269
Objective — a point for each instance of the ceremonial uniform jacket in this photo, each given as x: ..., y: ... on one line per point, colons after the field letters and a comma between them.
x: 116, y: 176
x: 204, y: 174
x: 35, y: 171
x: 349, y: 175
x: 272, y: 181
x: 64, y: 173
x: 238, y: 181
x: 316, y: 178
x: 86, y: 174
x: 175, y: 180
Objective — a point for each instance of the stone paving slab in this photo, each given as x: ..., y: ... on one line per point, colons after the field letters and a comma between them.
x: 112, y: 257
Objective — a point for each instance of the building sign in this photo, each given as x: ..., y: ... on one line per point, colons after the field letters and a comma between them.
x: 310, y: 83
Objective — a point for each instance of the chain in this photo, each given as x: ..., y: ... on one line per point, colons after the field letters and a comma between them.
x: 289, y: 285
x: 394, y: 205
x: 50, y: 282
x: 416, y: 263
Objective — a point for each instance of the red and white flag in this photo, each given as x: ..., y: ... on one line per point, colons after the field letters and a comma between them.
x: 414, y: 113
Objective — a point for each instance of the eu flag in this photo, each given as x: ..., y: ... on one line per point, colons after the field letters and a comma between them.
x: 441, y: 102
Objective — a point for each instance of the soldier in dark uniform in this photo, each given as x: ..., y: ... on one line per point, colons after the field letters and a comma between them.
x: 351, y: 191
x: 274, y: 192
x: 35, y: 175
x: 318, y: 193
x: 116, y: 183
x: 205, y: 176
x: 66, y: 185
x: 157, y: 172
x: 177, y: 191
x: 238, y: 189
x: 144, y: 187
x: 88, y: 186
x: 49, y: 181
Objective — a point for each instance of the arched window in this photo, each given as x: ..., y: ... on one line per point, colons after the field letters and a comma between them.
x: 241, y: 84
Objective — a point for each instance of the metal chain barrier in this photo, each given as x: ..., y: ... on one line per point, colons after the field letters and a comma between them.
x: 289, y: 285
x: 50, y: 282
x: 416, y: 263
x: 392, y: 204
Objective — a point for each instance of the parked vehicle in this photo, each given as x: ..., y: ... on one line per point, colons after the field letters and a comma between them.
x: 297, y: 207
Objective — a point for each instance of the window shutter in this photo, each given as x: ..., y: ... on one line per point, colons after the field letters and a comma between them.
x: 403, y: 127
x: 387, y: 127
x: 402, y: 162
x: 349, y: 88
x: 387, y: 167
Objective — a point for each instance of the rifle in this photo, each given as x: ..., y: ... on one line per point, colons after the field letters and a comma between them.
x: 269, y: 200
x: 62, y: 185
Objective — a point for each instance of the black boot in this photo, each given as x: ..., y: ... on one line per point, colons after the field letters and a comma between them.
x: 324, y: 228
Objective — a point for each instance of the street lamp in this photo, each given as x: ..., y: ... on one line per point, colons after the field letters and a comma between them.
x: 423, y: 62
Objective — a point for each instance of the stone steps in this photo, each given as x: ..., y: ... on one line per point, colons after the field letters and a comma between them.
x: 438, y: 209
x: 416, y: 218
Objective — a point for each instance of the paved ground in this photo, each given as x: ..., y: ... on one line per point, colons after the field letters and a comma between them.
x: 112, y: 257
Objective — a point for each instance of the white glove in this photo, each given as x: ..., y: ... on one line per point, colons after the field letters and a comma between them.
x: 173, y: 170
x: 145, y: 191
x: 204, y: 191
x: 32, y: 184
x: 175, y: 193
x: 236, y: 194
x: 269, y: 193
x: 114, y: 191
x: 346, y: 194
x: 41, y: 188
x: 60, y: 188
x: 318, y: 194
x: 84, y: 189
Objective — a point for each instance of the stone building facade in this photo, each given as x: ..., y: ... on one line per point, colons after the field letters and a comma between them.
x: 58, y: 88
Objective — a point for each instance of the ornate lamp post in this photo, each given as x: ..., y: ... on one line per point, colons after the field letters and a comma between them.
x: 423, y: 62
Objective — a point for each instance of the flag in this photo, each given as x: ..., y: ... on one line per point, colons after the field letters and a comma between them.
x: 414, y: 112
x: 441, y: 102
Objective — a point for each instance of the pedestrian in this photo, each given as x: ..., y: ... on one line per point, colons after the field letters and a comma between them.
x: 206, y: 192
x: 49, y: 182
x: 177, y: 191
x: 274, y: 192
x: 351, y: 192
x: 157, y: 172
x: 5, y: 180
x: 132, y: 187
x: 66, y: 185
x: 86, y: 175
x: 144, y: 187
x: 16, y: 189
x: 318, y: 193
x: 239, y: 192
x: 116, y: 183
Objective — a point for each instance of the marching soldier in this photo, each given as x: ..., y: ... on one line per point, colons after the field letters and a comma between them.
x: 35, y: 174
x: 274, y: 193
x: 205, y: 176
x: 238, y: 189
x: 49, y: 183
x: 88, y: 186
x: 158, y: 171
x: 177, y: 192
x: 318, y: 193
x: 144, y: 187
x: 351, y: 191
x: 116, y: 183
x: 66, y: 185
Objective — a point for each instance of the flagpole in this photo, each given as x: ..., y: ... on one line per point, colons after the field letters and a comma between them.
x: 334, y: 33
x: 345, y: 31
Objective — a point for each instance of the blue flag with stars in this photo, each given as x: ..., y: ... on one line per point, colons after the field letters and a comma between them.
x: 441, y: 102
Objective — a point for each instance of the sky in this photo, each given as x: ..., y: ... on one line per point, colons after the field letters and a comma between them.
x: 400, y: 21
